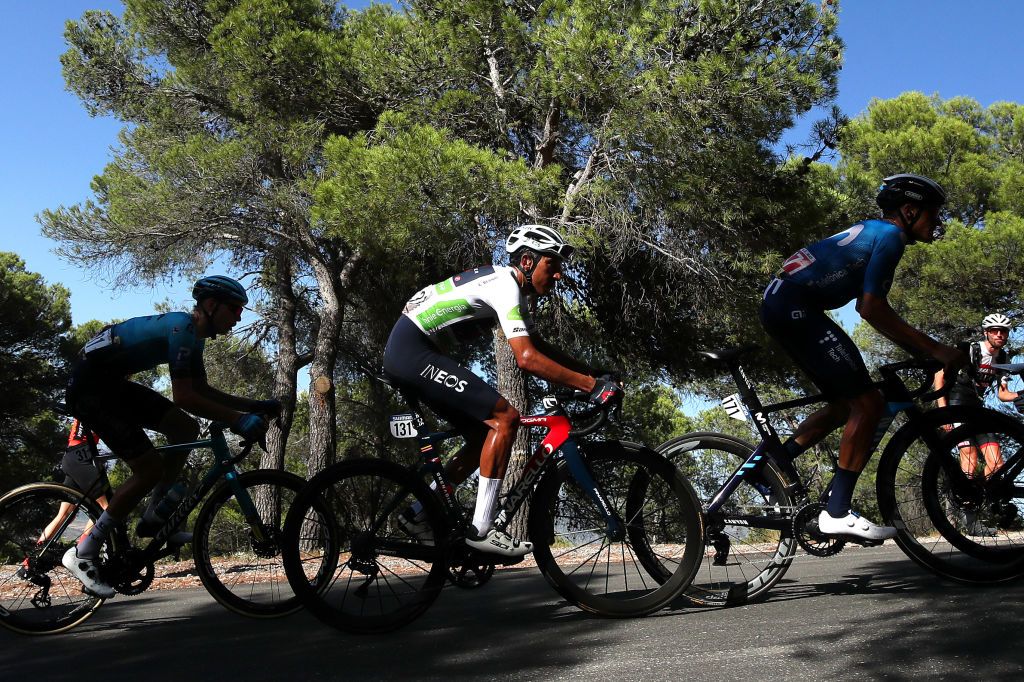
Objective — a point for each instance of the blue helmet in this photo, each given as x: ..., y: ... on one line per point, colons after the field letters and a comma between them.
x: 221, y: 288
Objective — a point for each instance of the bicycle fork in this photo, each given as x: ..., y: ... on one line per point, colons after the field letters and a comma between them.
x: 616, y: 529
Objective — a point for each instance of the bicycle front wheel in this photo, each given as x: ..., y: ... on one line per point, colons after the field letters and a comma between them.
x: 38, y: 523
x: 749, y: 542
x: 959, y: 526
x: 239, y: 559
x: 602, y: 569
x: 380, y: 571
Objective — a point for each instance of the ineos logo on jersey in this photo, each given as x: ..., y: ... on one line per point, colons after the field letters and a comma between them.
x: 439, y: 376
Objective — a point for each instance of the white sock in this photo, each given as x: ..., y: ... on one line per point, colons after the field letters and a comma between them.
x: 486, y: 496
x: 89, y: 548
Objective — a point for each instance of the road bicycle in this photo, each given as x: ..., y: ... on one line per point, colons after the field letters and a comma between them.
x: 590, y: 505
x: 235, y: 543
x: 759, y: 512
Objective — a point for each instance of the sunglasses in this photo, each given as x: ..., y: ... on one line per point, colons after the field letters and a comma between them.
x: 233, y: 307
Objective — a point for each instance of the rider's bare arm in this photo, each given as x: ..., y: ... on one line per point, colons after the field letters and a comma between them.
x: 1005, y: 394
x: 199, y: 398
x: 530, y: 359
x: 880, y: 315
x: 939, y: 382
x: 562, y: 358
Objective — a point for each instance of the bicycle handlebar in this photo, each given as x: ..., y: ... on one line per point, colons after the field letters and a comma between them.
x: 599, y: 413
x: 928, y: 366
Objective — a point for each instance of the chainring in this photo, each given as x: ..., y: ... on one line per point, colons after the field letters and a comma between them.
x: 809, y: 537
x: 136, y: 581
x: 467, y: 570
x: 470, y: 576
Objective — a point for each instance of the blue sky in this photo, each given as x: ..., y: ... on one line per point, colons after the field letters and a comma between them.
x: 53, y: 148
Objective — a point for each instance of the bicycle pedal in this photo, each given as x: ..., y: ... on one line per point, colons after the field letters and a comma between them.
x: 862, y: 542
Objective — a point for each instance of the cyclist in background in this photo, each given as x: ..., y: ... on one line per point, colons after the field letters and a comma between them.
x: 472, y: 302
x: 972, y: 390
x: 80, y: 473
x: 858, y: 263
x: 119, y: 410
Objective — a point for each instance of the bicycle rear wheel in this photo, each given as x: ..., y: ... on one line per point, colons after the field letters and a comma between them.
x: 345, y: 525
x: 961, y: 528
x: 602, y: 572
x: 38, y: 523
x: 241, y: 565
x: 749, y: 542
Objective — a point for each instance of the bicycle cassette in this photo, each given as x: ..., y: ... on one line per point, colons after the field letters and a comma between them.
x: 809, y: 537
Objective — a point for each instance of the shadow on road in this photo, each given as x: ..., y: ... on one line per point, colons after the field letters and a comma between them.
x: 877, y: 619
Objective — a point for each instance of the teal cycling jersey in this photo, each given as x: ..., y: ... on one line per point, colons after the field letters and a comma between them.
x: 836, y: 270
x: 143, y: 343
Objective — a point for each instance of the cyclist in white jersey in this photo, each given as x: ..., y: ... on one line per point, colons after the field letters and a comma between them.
x: 972, y: 390
x: 470, y: 302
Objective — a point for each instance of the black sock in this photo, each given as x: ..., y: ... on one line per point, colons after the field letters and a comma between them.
x: 841, y: 494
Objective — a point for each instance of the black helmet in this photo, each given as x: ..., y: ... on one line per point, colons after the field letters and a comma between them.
x: 897, y: 190
x: 221, y: 288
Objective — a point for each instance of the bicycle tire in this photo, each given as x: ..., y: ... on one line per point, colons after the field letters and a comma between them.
x: 24, y: 514
x: 243, y: 573
x: 662, y: 517
x: 916, y: 496
x: 740, y: 563
x: 331, y: 523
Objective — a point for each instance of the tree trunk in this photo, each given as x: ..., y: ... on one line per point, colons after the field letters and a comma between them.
x: 287, y: 364
x: 512, y: 385
x: 323, y: 410
x: 323, y: 434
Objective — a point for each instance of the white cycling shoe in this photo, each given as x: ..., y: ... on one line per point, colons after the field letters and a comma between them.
x: 88, y: 571
x: 854, y: 525
x: 416, y: 525
x: 497, y: 542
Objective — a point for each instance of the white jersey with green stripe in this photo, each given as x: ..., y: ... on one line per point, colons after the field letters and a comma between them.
x: 483, y: 294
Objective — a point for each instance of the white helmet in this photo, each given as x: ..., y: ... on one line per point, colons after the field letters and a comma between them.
x: 996, y: 320
x: 538, y: 239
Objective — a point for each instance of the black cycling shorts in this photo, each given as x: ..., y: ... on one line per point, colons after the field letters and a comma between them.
x: 116, y: 409
x: 814, y: 341
x: 456, y: 394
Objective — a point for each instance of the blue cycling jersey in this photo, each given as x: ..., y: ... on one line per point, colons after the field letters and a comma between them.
x: 142, y: 343
x: 836, y: 270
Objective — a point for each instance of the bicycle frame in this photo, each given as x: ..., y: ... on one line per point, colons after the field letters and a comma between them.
x: 557, y: 443
x: 898, y: 399
x: 223, y: 466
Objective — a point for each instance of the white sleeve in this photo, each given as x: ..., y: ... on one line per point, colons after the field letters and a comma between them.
x: 509, y: 305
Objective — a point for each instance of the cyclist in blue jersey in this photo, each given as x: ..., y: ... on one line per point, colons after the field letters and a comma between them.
x: 469, y: 302
x: 118, y: 410
x: 856, y: 264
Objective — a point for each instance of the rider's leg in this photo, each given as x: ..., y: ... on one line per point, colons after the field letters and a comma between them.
x: 969, y: 460
x: 146, y: 471
x: 993, y: 457
x: 821, y: 423
x: 854, y: 449
x: 503, y: 424
x: 179, y: 427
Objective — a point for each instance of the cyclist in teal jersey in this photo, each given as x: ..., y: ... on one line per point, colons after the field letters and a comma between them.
x: 119, y: 410
x: 471, y: 301
x: 856, y: 264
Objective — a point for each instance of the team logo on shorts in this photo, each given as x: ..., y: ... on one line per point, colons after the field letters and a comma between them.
x: 446, y: 379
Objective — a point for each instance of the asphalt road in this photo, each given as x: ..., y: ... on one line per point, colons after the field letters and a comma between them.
x: 866, y: 614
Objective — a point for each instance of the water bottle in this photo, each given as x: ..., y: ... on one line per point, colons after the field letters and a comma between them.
x: 170, y: 501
